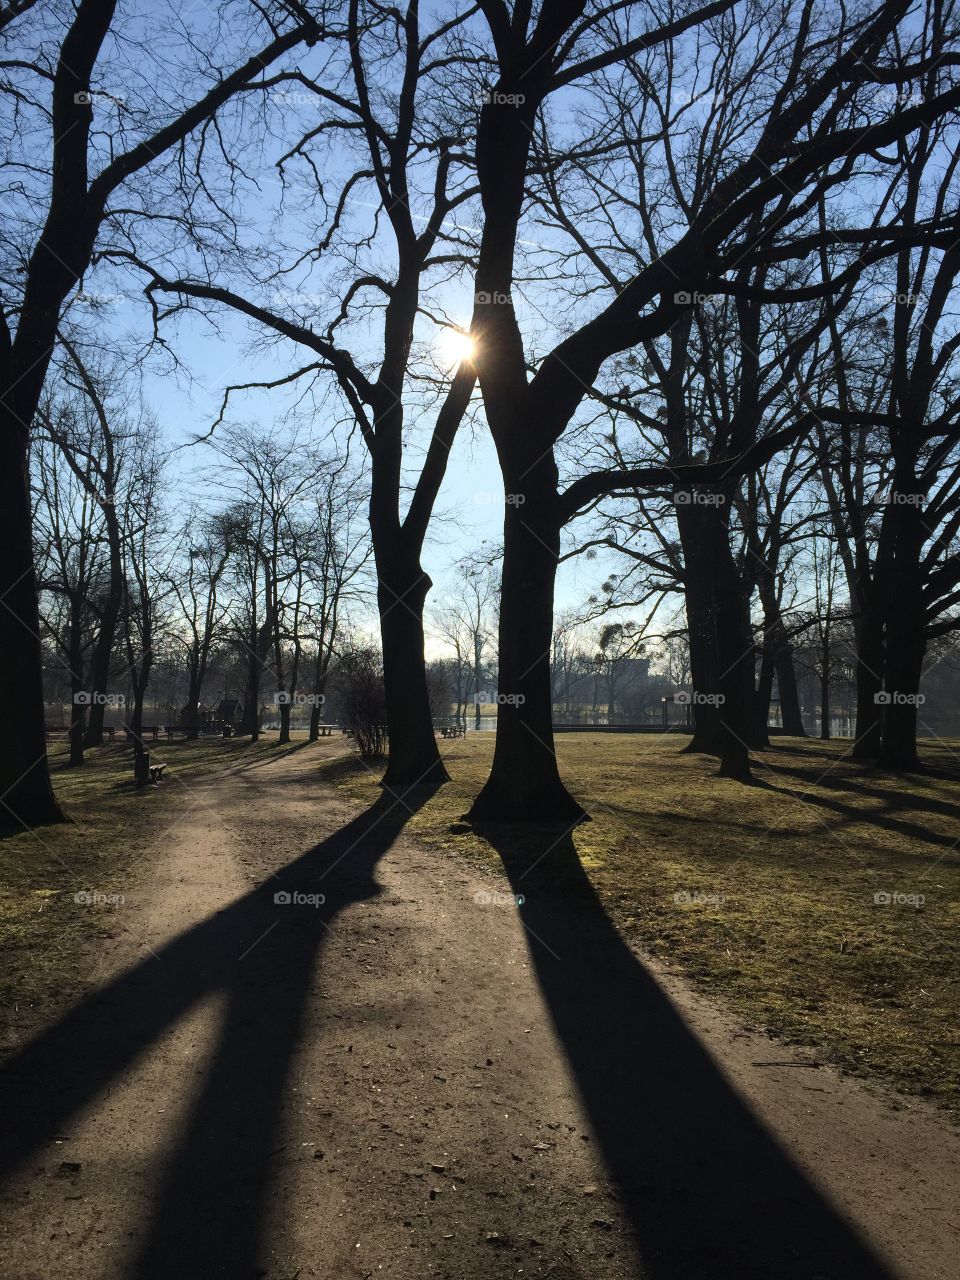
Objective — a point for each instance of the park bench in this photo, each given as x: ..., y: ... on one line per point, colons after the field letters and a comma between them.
x: 326, y: 730
x: 453, y: 731
x: 172, y: 729
x: 156, y: 772
x: 56, y: 733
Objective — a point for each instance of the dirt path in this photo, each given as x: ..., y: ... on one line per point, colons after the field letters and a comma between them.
x: 413, y: 1078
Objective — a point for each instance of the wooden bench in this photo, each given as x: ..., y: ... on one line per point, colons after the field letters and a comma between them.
x: 156, y: 772
x: 453, y: 731
x: 55, y: 734
x: 326, y: 730
x: 172, y: 729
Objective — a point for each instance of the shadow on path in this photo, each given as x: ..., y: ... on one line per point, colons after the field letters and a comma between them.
x: 262, y: 957
x: 709, y: 1192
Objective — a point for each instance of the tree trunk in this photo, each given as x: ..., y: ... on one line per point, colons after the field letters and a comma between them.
x: 870, y: 661
x: 764, y: 687
x: 477, y: 678
x: 402, y: 588
x: 791, y: 715
x: 721, y: 648
x: 250, y: 722
x: 905, y: 642
x: 778, y: 652
x: 107, y: 635
x: 524, y: 783
x: 192, y: 716
x: 284, y: 723
x: 28, y: 798
x: 825, y: 660
x: 75, y: 657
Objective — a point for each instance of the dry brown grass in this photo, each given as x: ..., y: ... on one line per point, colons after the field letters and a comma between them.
x: 112, y: 827
x: 789, y: 931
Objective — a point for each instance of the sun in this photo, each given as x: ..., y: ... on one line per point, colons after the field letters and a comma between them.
x: 454, y: 346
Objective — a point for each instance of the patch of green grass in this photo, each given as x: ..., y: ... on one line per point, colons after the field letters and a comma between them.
x: 766, y: 895
x: 112, y: 828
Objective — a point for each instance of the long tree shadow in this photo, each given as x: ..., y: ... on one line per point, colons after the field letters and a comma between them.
x: 709, y: 1191
x: 259, y: 953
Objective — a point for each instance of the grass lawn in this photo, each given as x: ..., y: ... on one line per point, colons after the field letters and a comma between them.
x: 113, y: 826
x: 767, y: 895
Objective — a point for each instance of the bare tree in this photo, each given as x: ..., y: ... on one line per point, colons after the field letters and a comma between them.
x: 802, y: 134
x: 60, y: 186
x: 384, y: 95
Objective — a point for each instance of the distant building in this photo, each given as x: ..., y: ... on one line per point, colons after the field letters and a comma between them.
x: 229, y: 712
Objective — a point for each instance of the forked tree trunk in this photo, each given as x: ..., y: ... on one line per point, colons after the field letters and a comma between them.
x: 28, y: 798
x: 524, y: 783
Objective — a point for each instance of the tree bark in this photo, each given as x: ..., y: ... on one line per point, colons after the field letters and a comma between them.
x: 524, y: 783
x: 791, y: 715
x: 870, y: 662
x: 402, y: 587
x: 777, y: 660
x: 75, y: 655
x: 28, y: 798
x: 905, y: 642
x: 109, y: 622
x: 825, y: 659
x: 721, y: 648
x: 764, y: 693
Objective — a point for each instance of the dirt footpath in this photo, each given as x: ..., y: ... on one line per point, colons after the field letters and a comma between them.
x: 314, y: 1049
